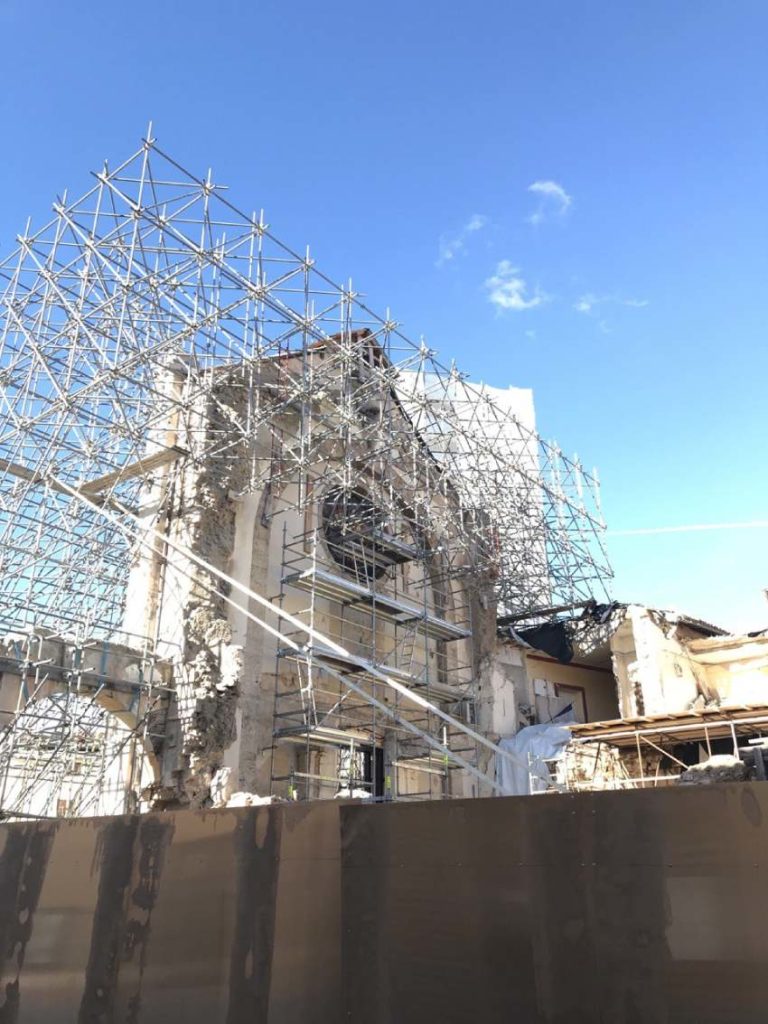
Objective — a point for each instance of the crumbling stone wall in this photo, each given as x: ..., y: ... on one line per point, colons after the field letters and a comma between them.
x: 603, y: 766
x: 200, y: 514
x: 594, y: 766
x: 654, y: 670
x: 482, y: 604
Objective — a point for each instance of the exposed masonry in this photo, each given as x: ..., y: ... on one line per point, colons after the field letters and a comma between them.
x: 210, y: 665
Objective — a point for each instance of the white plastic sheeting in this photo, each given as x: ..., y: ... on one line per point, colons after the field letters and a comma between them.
x: 532, y: 746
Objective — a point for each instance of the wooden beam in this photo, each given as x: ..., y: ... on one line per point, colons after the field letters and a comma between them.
x: 144, y: 466
x: 27, y: 474
x: 102, y: 483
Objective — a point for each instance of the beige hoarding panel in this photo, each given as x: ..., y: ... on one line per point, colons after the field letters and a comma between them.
x: 600, y: 907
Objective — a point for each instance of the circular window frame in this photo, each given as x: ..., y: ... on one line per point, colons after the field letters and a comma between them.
x: 339, y: 509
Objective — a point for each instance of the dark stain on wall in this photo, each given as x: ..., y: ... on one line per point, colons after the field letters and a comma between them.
x: 154, y: 839
x: 256, y: 863
x: 114, y: 858
x: 129, y: 855
x: 22, y: 872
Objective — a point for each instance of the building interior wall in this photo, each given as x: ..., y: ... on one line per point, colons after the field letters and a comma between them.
x: 592, y: 688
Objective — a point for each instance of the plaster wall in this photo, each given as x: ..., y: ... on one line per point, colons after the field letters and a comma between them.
x: 509, y: 691
x: 654, y: 670
x: 597, y: 683
x: 735, y: 668
x: 663, y: 666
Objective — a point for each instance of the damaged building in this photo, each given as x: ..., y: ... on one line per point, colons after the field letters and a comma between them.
x: 255, y: 542
x: 253, y: 538
x: 625, y: 696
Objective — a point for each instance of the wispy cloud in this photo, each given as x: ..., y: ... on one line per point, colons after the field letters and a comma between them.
x: 450, y: 245
x: 755, y: 524
x: 588, y: 302
x: 554, y: 201
x: 507, y: 290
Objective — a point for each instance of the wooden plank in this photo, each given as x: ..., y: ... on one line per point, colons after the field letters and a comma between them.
x: 28, y: 474
x: 144, y: 466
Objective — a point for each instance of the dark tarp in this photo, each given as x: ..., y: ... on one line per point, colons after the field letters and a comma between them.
x: 552, y: 638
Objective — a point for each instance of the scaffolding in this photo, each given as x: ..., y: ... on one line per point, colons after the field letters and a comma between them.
x: 646, y: 751
x: 80, y: 724
x: 151, y: 330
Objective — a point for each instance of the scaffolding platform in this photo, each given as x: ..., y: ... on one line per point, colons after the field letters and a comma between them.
x: 322, y: 735
x: 370, y: 671
x: 396, y: 610
x: 697, y: 725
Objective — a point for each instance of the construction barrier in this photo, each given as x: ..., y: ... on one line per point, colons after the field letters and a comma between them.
x: 623, y: 908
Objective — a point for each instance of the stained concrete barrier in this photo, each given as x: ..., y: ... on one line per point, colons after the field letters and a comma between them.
x: 617, y: 907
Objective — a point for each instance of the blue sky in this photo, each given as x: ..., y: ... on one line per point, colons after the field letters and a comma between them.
x: 402, y: 141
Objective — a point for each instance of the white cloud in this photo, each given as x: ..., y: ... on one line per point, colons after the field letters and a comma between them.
x: 587, y: 303
x: 476, y: 221
x: 449, y: 246
x: 554, y: 201
x: 507, y: 290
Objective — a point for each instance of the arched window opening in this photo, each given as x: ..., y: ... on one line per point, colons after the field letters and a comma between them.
x: 68, y: 756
